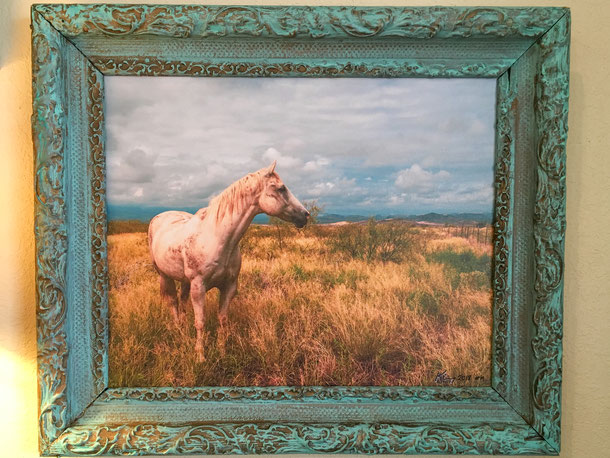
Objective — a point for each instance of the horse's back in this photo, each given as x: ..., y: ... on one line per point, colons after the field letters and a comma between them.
x: 166, y: 221
x: 171, y: 216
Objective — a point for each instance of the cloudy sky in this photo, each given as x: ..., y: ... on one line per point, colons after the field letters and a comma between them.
x: 357, y: 146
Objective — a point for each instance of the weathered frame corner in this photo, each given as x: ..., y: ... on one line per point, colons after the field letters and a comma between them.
x: 525, y: 49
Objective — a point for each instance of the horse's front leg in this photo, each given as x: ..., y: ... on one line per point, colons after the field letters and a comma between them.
x: 198, y: 301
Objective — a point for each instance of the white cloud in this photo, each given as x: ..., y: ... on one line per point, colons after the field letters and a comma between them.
x: 322, y: 188
x: 396, y: 199
x: 216, y: 170
x: 478, y: 196
x: 316, y: 164
x: 283, y: 160
x: 339, y: 187
x: 418, y: 180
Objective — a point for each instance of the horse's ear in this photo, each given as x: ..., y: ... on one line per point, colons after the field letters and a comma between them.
x: 271, y: 168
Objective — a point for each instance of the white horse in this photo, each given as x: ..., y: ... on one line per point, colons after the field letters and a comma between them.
x: 202, y: 250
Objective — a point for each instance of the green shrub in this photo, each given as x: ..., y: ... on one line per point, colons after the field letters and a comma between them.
x: 386, y: 242
x: 475, y: 280
x: 464, y: 269
x: 298, y: 274
x: 426, y: 302
x: 327, y: 278
x: 463, y: 262
x: 462, y: 319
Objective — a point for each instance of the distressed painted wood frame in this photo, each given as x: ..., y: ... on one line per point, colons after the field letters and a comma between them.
x: 524, y: 49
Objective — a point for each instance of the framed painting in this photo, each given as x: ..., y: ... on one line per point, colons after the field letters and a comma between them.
x: 386, y: 185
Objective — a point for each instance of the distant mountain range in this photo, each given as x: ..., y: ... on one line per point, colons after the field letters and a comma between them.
x: 118, y: 212
x: 438, y: 218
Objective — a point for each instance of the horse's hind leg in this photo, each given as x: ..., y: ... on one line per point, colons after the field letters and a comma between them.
x: 227, y: 292
x: 168, y: 294
x: 228, y: 289
x: 185, y: 290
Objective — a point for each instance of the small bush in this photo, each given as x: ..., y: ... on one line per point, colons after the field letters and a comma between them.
x: 386, y: 242
x: 462, y: 319
x: 462, y: 262
x: 350, y: 278
x: 327, y: 278
x: 429, y: 304
x: 464, y: 269
x: 425, y: 301
x: 298, y: 274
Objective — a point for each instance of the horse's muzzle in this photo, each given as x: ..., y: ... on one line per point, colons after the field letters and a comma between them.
x: 301, y: 220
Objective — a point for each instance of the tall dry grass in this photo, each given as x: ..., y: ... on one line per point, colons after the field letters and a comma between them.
x: 313, y: 313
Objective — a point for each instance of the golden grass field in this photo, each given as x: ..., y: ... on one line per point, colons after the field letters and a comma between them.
x: 354, y: 304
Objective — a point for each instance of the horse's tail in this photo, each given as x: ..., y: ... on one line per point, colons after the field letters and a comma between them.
x: 151, y: 231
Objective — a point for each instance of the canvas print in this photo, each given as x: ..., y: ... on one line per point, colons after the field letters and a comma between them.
x: 291, y: 231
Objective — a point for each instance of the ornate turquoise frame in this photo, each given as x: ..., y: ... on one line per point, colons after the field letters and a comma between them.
x: 525, y: 49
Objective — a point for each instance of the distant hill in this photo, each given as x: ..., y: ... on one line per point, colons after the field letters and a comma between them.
x: 325, y: 218
x: 438, y: 218
x: 453, y: 218
x: 144, y: 214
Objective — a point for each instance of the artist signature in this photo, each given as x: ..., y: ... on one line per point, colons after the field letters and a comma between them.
x: 442, y: 378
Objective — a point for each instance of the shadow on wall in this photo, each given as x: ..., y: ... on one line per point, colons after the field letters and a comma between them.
x: 17, y: 279
x: 15, y: 26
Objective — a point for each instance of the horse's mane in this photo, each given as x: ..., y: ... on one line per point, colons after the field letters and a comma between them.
x: 237, y: 196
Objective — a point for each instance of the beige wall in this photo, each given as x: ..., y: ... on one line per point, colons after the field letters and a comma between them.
x: 586, y: 400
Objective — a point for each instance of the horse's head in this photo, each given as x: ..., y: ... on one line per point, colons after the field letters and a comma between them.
x: 277, y: 200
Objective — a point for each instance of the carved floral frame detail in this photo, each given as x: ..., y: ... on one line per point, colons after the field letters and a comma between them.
x: 525, y: 49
